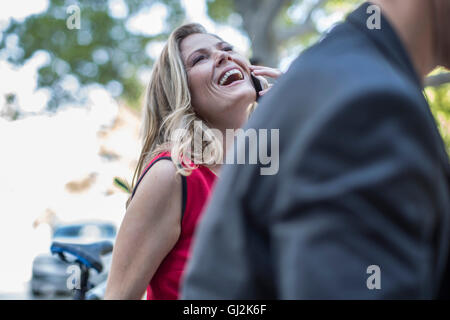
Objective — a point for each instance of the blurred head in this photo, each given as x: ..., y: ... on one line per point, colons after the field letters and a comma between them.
x: 441, y: 22
x: 424, y: 27
x: 190, y: 83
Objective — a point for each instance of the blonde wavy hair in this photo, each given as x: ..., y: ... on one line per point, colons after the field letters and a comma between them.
x: 168, y: 108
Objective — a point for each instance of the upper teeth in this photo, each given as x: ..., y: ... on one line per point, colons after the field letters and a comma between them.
x: 229, y: 73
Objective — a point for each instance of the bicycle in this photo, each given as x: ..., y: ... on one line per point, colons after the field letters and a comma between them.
x: 86, y: 256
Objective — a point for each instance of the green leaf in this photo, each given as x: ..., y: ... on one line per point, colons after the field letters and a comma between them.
x: 122, y: 184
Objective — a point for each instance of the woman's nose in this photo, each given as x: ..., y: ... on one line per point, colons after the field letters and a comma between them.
x: 222, y: 56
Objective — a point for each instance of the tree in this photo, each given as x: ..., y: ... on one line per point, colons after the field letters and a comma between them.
x: 102, y: 51
x: 273, y: 25
x: 439, y: 99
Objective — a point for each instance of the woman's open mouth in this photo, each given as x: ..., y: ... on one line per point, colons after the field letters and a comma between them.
x: 230, y: 77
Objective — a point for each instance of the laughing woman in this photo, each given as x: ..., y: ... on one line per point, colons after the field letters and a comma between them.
x: 198, y: 78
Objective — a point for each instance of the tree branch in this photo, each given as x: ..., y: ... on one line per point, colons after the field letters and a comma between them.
x: 297, y: 30
x: 269, y: 10
x: 258, y: 15
x: 300, y: 29
x: 437, y: 80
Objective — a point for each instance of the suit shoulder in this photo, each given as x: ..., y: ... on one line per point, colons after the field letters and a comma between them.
x: 347, y: 59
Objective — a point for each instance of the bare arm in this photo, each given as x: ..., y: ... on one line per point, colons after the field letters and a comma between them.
x: 150, y: 229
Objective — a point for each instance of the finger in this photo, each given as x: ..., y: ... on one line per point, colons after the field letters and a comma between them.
x: 269, y: 72
x: 263, y: 92
x: 264, y: 82
x: 254, y: 67
x: 264, y: 68
x: 261, y: 68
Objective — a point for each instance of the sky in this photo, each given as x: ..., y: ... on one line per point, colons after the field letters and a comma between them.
x: 22, y: 80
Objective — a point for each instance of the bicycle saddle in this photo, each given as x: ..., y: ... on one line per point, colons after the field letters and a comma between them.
x: 87, y: 254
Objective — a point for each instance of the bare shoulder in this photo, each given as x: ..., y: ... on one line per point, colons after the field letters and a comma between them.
x: 150, y: 229
x: 160, y: 186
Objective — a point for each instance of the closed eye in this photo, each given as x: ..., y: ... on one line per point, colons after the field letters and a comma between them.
x: 198, y: 59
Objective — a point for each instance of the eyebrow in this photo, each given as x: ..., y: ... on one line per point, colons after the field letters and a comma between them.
x: 218, y: 44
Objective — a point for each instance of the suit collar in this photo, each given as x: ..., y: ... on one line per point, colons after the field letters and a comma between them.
x: 387, y: 41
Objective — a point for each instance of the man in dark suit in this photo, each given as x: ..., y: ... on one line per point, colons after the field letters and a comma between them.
x: 360, y: 206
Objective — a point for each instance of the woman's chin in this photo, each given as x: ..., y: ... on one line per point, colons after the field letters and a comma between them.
x: 240, y: 93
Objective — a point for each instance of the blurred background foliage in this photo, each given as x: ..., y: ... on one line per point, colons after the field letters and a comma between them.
x: 102, y: 51
x: 439, y: 99
x: 106, y: 51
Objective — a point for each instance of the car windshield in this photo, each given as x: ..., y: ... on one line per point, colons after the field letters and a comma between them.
x: 74, y: 231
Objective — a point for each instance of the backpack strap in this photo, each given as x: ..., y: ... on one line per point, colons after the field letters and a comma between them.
x: 183, y: 184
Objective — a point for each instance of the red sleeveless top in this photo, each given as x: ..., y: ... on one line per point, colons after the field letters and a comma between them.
x: 197, y: 188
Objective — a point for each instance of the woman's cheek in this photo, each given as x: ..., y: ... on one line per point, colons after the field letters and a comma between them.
x: 199, y: 82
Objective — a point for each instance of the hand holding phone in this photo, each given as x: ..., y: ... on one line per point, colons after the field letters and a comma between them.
x: 258, y: 85
x: 261, y: 71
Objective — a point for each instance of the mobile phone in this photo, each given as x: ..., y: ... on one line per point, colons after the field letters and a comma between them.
x: 257, y: 84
